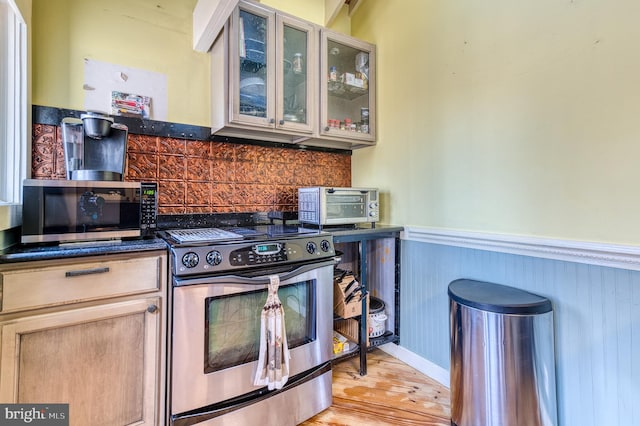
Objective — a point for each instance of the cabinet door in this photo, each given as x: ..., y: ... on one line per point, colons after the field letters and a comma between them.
x: 295, y: 75
x: 347, y: 88
x: 102, y: 360
x: 252, y: 72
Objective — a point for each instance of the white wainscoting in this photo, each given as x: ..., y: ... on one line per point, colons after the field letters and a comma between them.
x: 612, y: 255
x: 595, y: 292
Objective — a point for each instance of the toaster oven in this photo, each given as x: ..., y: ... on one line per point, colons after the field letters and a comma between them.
x: 321, y: 205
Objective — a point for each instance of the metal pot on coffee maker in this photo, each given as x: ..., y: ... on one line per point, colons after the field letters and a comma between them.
x: 95, y: 148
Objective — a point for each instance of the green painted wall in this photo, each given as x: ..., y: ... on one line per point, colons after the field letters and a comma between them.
x: 152, y: 35
x: 310, y: 10
x: 492, y: 116
x: 507, y: 117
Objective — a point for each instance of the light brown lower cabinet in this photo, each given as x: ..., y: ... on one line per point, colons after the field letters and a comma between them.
x: 103, y: 357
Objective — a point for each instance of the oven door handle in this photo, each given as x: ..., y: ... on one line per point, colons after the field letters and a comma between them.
x: 284, y: 273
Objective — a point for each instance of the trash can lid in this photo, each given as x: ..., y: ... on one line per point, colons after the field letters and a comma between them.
x: 497, y: 298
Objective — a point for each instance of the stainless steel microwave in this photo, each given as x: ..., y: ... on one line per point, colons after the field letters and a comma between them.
x: 321, y: 205
x: 73, y: 210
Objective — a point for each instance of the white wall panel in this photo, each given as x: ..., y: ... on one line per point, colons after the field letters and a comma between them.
x: 597, y: 322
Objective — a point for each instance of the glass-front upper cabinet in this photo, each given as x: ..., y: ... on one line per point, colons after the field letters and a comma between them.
x: 347, y: 88
x: 270, y: 79
x: 252, y: 71
x: 296, y: 57
x: 275, y: 77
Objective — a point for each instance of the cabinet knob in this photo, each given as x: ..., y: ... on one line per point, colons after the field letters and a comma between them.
x: 152, y: 308
x: 326, y: 129
x: 281, y: 122
x: 272, y: 120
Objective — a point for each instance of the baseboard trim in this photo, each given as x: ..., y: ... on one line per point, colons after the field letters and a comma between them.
x: 601, y: 254
x: 424, y: 366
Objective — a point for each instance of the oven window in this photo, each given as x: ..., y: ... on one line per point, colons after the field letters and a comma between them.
x: 232, y: 332
x: 346, y: 206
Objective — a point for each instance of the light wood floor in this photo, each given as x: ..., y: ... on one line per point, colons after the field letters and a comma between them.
x: 392, y: 393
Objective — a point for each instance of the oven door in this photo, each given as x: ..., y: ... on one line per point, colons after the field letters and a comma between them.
x: 216, y: 330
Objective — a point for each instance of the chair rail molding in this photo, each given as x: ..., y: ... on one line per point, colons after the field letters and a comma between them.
x: 601, y: 254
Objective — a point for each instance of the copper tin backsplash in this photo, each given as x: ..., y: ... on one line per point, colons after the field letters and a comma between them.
x: 209, y: 177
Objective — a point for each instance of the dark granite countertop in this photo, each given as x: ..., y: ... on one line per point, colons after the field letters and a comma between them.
x: 32, y: 252
x: 363, y: 231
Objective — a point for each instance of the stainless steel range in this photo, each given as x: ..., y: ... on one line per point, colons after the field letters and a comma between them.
x: 220, y: 282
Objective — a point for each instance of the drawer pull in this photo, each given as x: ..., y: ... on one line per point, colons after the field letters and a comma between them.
x: 86, y: 272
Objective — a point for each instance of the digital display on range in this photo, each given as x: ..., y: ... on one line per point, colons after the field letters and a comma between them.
x: 267, y: 248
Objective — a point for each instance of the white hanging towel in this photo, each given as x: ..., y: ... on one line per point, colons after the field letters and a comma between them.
x: 273, y: 360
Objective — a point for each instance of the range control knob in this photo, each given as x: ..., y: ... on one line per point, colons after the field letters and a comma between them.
x: 190, y: 260
x: 311, y: 247
x: 373, y: 204
x: 325, y: 245
x: 214, y: 258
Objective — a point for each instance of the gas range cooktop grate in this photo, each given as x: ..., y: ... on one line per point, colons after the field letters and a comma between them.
x: 203, y: 235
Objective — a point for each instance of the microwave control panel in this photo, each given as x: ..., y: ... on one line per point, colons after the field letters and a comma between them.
x: 148, y: 208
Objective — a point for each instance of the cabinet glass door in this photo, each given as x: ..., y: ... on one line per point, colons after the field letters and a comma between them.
x: 251, y: 76
x: 348, y: 84
x: 295, y: 74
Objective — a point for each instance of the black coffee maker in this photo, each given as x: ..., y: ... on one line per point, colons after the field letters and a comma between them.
x: 95, y: 148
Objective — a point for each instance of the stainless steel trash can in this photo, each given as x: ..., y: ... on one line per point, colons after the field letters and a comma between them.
x: 502, y: 356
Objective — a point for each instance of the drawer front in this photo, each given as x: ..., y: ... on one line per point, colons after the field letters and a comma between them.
x: 31, y: 288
